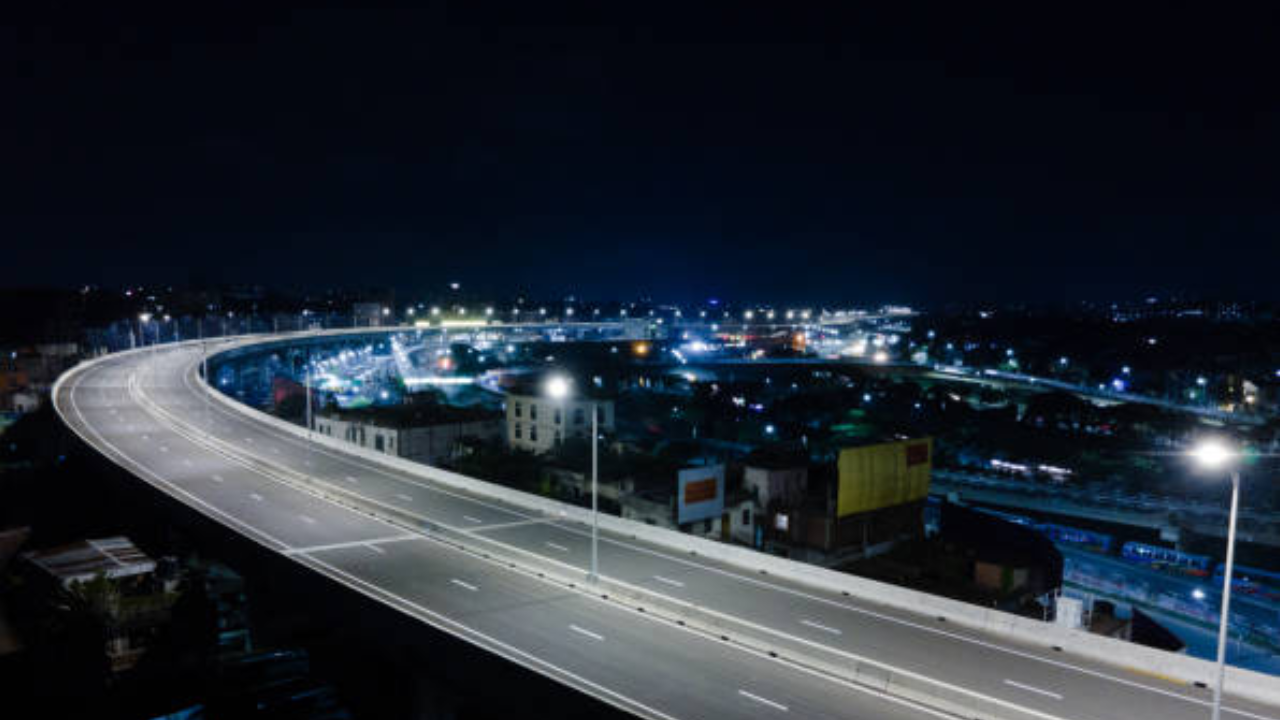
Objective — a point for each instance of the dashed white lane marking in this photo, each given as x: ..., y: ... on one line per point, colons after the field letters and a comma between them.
x: 763, y: 701
x: 376, y: 549
x: 470, y: 519
x: 582, y: 631
x: 249, y: 440
x: 464, y: 585
x: 404, y: 497
x: 820, y: 626
x: 275, y: 450
x: 186, y: 462
x: 557, y: 546
x: 146, y: 438
x: 217, y: 478
x: 255, y: 496
x: 164, y: 448
x: 1035, y: 690
x: 307, y: 519
x: 350, y: 479
x: 668, y: 581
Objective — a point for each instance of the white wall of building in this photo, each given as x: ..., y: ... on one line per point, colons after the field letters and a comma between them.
x: 428, y: 444
x: 537, y: 423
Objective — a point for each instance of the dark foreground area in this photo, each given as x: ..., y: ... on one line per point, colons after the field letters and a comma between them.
x: 317, y: 649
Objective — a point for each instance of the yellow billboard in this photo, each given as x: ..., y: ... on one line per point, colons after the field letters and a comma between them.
x: 883, y: 475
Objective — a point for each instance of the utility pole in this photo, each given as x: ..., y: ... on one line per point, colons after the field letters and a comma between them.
x: 595, y: 490
x: 307, y: 371
x: 1225, y: 621
x: 204, y: 372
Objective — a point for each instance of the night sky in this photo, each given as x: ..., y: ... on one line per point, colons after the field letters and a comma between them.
x: 782, y: 151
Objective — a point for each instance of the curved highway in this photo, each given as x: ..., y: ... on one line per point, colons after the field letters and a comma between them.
x: 503, y: 578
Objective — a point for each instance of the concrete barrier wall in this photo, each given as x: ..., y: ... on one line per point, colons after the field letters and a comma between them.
x: 1243, y: 683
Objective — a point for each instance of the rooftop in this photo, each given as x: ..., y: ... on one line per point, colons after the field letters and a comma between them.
x: 534, y: 384
x: 778, y: 456
x: 82, y: 561
x: 412, y: 415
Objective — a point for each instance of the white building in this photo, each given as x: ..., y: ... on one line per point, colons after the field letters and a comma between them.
x: 538, y: 423
x: 428, y: 440
x: 24, y: 401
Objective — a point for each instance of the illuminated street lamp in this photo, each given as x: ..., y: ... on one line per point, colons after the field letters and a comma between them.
x: 144, y: 319
x: 558, y: 389
x: 1214, y: 454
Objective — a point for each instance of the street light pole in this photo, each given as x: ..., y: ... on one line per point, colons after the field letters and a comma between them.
x: 204, y: 372
x: 1224, y: 621
x: 595, y: 491
x: 307, y: 384
x: 558, y: 389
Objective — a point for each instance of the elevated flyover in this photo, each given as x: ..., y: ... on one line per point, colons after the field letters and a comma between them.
x: 676, y: 627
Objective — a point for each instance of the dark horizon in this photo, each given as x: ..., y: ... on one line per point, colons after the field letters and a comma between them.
x: 816, y: 153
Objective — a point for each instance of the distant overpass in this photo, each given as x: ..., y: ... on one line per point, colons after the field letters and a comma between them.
x: 1153, y: 513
